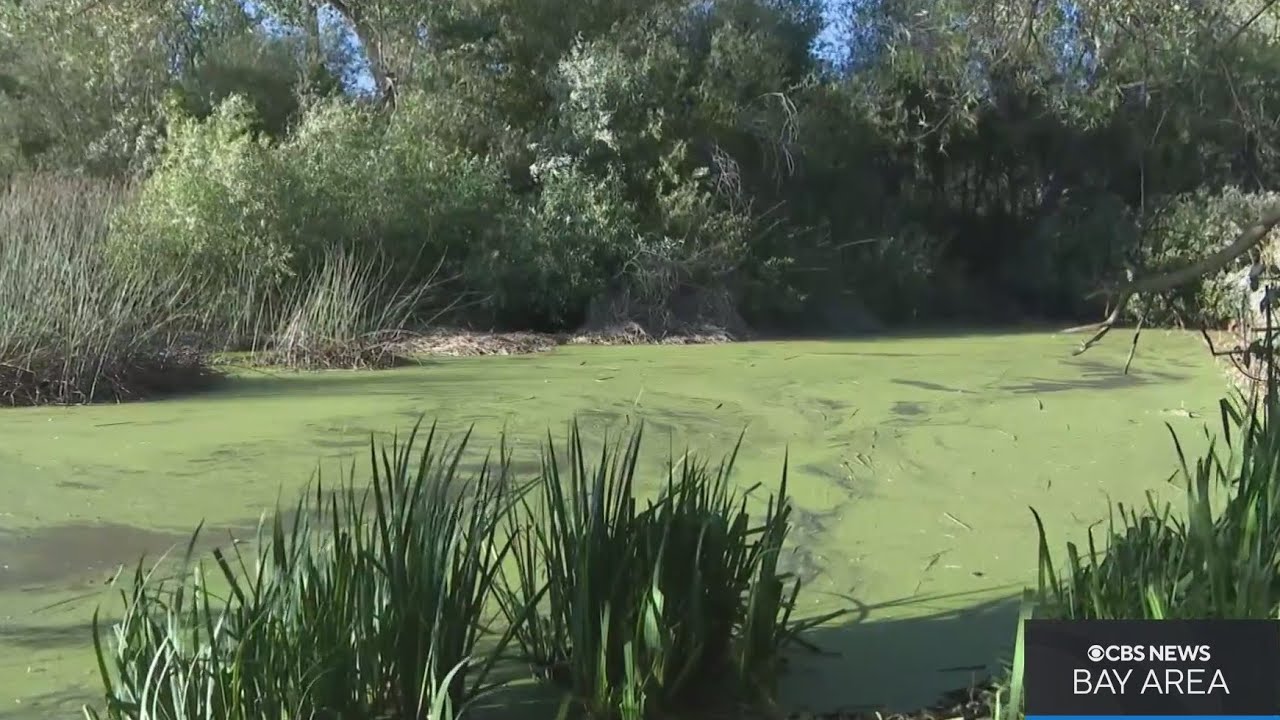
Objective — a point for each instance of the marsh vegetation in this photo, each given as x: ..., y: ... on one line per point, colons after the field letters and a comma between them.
x: 377, y: 600
x: 211, y: 193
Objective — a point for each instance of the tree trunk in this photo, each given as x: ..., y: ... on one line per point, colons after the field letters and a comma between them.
x: 383, y: 86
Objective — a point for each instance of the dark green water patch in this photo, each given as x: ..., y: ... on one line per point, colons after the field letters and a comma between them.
x: 803, y: 563
x: 57, y: 704
x: 43, y: 637
x: 811, y: 523
x: 903, y: 408
x: 928, y: 385
x: 338, y: 382
x: 843, y: 479
x: 221, y: 456
x: 57, y: 554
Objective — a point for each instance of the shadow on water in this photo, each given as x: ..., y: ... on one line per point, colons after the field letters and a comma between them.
x: 60, y: 704
x: 45, y: 637
x: 900, y: 664
x: 909, y: 409
x: 87, y: 555
x: 58, y: 554
x: 1094, y: 375
x: 863, y: 664
x: 922, y: 332
x: 84, y: 555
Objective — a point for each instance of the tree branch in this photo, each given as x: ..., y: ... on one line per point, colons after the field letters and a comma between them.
x: 1249, y: 238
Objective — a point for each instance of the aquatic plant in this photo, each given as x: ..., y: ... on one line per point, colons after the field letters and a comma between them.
x: 72, y: 328
x: 649, y: 609
x: 369, y: 605
x: 372, y: 603
x: 348, y: 313
x: 78, y: 324
x: 1208, y: 562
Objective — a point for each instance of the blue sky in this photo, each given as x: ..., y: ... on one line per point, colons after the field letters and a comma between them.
x: 363, y: 82
x: 832, y: 43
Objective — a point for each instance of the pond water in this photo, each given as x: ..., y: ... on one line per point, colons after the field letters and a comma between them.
x: 913, y: 461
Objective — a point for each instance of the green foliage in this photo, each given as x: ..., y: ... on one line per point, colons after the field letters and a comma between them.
x: 1078, y: 249
x: 253, y: 213
x: 214, y: 203
x: 555, y: 158
x: 86, y: 83
x: 272, y: 73
x: 372, y: 602
x: 564, y: 253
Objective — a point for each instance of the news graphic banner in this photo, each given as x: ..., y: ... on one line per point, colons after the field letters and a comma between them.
x: 1097, y: 669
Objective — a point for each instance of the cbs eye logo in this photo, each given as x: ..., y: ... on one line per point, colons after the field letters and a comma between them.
x: 1148, y: 653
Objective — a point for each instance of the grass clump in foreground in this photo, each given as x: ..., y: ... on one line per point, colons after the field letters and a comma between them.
x: 373, y: 603
x: 73, y: 328
x: 671, y: 606
x: 1212, y: 563
x: 369, y: 606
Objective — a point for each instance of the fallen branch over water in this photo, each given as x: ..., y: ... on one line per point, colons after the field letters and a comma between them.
x: 1121, y: 294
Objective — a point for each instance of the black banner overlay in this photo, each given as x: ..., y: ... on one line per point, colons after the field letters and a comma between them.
x: 1152, y: 667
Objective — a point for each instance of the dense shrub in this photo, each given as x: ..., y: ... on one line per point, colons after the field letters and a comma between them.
x: 257, y: 216
x: 386, y: 185
x: 246, y: 209
x: 560, y: 254
x: 1076, y: 250
x: 802, y: 162
x: 216, y: 202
